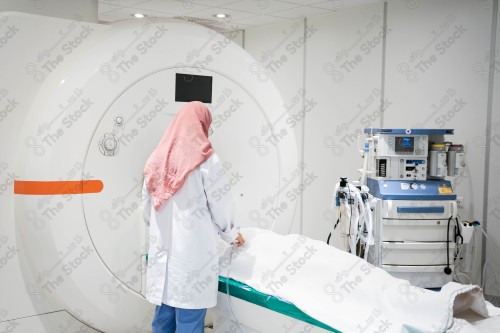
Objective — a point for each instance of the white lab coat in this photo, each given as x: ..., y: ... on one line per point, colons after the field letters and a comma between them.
x: 183, y: 259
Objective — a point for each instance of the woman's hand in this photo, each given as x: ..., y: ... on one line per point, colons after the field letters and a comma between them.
x: 239, y: 240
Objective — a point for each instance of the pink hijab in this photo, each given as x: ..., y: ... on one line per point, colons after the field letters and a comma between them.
x: 182, y: 148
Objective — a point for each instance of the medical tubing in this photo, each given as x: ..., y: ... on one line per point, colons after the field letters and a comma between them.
x: 459, y: 249
x: 352, y: 242
x: 335, y: 195
x: 370, y: 221
x: 227, y: 288
x: 460, y: 281
x: 360, y: 218
x: 362, y: 214
x: 361, y: 226
x: 458, y: 234
x: 365, y: 167
x: 484, y: 268
x: 349, y: 237
x: 336, y: 212
x: 457, y: 271
x: 369, y: 227
x: 344, y: 201
x: 348, y: 213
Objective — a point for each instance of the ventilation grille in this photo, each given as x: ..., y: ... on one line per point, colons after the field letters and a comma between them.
x: 220, y: 27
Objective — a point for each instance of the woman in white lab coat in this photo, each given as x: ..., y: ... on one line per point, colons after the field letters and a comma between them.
x: 185, y: 215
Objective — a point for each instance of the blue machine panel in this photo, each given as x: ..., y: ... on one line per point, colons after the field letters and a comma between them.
x: 411, y: 190
x: 416, y: 210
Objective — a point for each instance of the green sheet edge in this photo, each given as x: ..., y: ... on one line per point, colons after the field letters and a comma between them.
x: 247, y: 293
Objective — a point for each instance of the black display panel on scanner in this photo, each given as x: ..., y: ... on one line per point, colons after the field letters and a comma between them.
x: 189, y: 87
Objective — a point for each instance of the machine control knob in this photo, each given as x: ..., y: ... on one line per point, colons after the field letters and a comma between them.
x: 462, y: 164
x: 414, y: 186
x: 119, y: 121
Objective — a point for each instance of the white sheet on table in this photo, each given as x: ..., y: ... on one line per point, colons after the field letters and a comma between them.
x: 344, y: 291
x: 470, y: 322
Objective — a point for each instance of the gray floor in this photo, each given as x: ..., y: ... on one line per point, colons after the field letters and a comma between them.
x: 495, y: 300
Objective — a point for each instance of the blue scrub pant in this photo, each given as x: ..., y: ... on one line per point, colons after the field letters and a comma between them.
x: 175, y: 320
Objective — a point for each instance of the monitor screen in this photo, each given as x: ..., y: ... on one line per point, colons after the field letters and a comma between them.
x: 189, y: 87
x: 404, y: 144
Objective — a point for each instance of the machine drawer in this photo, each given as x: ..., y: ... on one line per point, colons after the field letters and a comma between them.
x: 417, y: 209
x: 416, y: 253
x: 420, y: 276
x: 416, y: 230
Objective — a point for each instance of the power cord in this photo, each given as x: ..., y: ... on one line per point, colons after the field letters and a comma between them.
x: 233, y: 247
x: 491, y: 247
x: 457, y: 273
x: 447, y: 269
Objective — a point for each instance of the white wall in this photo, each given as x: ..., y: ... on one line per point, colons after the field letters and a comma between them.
x: 343, y: 68
x: 279, y: 49
x: 431, y: 81
x: 347, y: 73
x: 328, y: 108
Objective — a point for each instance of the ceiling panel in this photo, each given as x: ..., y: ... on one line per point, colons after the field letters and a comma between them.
x: 178, y: 7
x: 125, y: 13
x: 304, y: 11
x: 304, y: 2
x: 112, y: 5
x: 339, y: 5
x: 260, y: 20
x: 261, y: 6
x: 242, y: 13
x: 233, y: 14
x: 216, y: 3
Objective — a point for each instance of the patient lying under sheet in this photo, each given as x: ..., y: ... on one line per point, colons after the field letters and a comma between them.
x: 347, y: 293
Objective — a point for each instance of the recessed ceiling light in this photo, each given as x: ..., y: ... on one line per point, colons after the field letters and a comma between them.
x: 138, y: 15
x: 221, y: 15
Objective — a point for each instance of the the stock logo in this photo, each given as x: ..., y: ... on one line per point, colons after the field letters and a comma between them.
x: 8, y: 35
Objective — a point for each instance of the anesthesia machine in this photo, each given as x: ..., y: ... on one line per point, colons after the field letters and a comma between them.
x: 402, y: 216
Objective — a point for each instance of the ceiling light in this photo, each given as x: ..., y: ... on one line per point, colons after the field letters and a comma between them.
x: 221, y: 15
x: 138, y: 15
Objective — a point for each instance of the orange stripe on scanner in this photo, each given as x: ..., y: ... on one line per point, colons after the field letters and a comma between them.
x: 57, y: 187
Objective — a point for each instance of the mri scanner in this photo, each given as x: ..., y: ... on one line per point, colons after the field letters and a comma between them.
x: 85, y: 104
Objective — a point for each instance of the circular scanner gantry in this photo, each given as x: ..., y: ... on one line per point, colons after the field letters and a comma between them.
x: 86, y: 138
